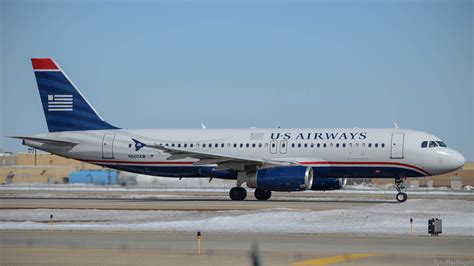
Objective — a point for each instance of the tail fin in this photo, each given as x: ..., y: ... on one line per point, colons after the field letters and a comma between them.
x: 63, y: 104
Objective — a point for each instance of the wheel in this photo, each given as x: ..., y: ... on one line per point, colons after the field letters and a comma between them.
x: 402, y: 197
x: 238, y: 193
x: 261, y: 194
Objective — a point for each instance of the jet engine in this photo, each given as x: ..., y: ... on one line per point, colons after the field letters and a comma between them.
x: 285, y: 178
x: 328, y: 183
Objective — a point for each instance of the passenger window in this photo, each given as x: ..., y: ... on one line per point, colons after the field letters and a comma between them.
x: 235, y: 145
x: 306, y: 145
x: 337, y: 145
x: 130, y: 145
x: 370, y: 145
x: 350, y: 145
x: 260, y: 145
x: 266, y: 145
x: 204, y: 145
x: 292, y: 145
x: 324, y: 145
x: 253, y: 145
x: 191, y: 145
x: 376, y: 145
x: 273, y: 145
x: 383, y: 145
x: 356, y: 145
x: 362, y: 145
x: 299, y: 145
x: 248, y: 145
x: 343, y: 145
x: 241, y: 145
x: 312, y: 145
x: 318, y: 145
x: 172, y: 145
x: 185, y: 145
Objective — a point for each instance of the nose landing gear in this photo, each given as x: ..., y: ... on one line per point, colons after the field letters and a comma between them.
x: 399, y: 185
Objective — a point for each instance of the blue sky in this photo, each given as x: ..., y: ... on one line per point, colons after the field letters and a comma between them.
x: 147, y: 64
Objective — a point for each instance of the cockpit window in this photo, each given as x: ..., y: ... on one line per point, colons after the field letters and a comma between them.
x: 441, y: 144
x: 433, y: 144
x: 424, y: 144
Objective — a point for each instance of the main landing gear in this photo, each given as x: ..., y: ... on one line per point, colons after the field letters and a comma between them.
x: 238, y: 193
x: 261, y: 194
x: 399, y: 185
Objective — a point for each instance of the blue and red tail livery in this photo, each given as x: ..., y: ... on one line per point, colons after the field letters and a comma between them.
x: 63, y: 104
x: 44, y: 64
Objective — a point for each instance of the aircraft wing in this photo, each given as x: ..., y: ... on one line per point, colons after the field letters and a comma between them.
x: 47, y: 141
x: 223, y: 160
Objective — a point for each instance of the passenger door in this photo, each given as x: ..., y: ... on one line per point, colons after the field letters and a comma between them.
x: 397, y: 146
x: 108, y: 146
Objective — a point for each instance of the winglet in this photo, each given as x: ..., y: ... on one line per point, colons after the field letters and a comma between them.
x: 203, y: 126
x: 395, y: 125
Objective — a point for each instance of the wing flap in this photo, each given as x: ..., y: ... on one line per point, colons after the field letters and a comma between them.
x: 205, y: 157
x: 212, y: 157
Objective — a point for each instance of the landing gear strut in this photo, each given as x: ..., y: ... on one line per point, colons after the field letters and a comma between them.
x: 399, y: 185
x: 261, y: 194
x: 238, y: 193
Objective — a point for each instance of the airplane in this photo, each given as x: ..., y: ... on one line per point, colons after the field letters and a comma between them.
x: 273, y: 159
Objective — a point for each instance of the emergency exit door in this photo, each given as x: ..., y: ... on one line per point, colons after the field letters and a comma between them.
x: 273, y: 146
x: 397, y: 145
x: 283, y: 146
x: 108, y: 146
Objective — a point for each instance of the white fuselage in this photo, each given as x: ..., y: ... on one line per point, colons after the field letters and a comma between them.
x: 356, y: 152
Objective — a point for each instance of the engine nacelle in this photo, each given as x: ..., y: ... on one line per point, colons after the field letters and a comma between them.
x: 218, y: 173
x: 326, y: 184
x: 285, y: 178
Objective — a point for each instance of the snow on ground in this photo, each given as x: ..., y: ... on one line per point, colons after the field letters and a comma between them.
x: 380, y: 219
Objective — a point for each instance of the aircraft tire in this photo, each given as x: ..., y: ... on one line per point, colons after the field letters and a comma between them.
x: 238, y: 193
x: 402, y: 197
x: 261, y: 194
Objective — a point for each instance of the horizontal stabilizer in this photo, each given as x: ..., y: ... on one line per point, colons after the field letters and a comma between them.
x: 47, y: 141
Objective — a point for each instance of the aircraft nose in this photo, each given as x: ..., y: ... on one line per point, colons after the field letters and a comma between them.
x: 456, y: 160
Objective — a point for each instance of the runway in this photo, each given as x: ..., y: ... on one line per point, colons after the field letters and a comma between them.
x: 175, y: 248
x: 199, y: 201
x: 159, y: 228
x: 188, y: 204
